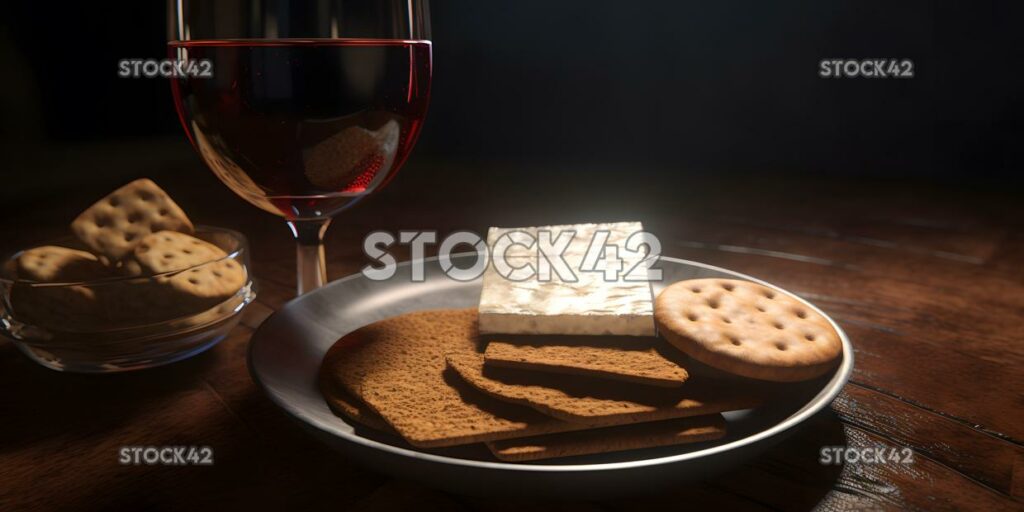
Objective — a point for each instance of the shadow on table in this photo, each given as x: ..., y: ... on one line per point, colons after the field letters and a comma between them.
x: 791, y: 475
x: 40, y: 404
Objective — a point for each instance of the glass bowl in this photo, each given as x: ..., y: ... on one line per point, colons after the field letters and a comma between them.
x: 124, y: 323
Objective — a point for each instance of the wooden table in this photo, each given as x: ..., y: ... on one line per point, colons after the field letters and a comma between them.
x: 928, y: 281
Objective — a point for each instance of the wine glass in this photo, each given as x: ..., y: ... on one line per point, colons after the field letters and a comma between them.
x: 302, y: 107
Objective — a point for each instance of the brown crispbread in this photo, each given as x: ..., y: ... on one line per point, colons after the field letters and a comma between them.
x: 747, y: 329
x: 611, y: 439
x: 629, y: 359
x: 598, y: 402
x: 397, y: 368
x: 344, y: 404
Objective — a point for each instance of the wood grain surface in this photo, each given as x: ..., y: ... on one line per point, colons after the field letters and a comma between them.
x: 928, y: 281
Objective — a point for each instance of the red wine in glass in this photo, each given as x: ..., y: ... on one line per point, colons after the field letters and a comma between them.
x: 304, y: 128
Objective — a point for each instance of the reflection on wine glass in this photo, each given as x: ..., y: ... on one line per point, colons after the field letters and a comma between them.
x: 352, y: 159
x: 312, y: 106
x: 228, y: 171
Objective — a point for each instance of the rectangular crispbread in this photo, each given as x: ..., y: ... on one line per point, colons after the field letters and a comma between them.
x: 630, y: 359
x: 611, y: 439
x: 598, y: 402
x: 397, y: 368
x: 344, y: 404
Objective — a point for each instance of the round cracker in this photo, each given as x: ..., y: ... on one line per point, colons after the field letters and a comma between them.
x: 167, y: 251
x: 747, y: 329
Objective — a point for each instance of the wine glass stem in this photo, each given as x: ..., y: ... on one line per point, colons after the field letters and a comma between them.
x: 309, y: 253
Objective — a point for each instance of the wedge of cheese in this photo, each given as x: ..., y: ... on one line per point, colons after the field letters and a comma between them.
x: 607, y: 293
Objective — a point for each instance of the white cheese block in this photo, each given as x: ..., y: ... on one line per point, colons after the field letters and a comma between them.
x: 594, y: 304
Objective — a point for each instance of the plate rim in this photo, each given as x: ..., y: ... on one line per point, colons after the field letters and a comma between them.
x: 832, y: 389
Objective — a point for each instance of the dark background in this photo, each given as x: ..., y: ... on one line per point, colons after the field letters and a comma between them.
x: 607, y: 92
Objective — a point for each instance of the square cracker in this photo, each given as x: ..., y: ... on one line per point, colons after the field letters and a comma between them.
x: 54, y: 264
x: 114, y: 225
x: 60, y: 308
x: 167, y: 251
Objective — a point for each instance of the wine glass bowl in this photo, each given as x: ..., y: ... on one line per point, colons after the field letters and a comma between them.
x: 310, y: 106
x: 321, y: 139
